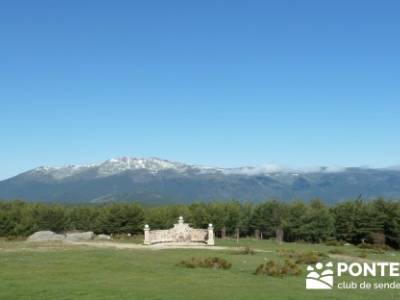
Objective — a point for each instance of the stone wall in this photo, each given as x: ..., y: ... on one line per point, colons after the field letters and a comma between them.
x: 180, y: 233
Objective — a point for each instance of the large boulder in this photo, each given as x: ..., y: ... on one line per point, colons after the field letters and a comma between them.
x: 103, y: 237
x: 45, y: 236
x: 79, y: 236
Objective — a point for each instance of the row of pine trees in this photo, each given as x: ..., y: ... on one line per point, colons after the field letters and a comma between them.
x: 358, y: 221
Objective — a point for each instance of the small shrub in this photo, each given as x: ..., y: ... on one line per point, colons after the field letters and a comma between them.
x: 307, y: 258
x: 274, y: 269
x: 189, y: 263
x: 385, y: 247
x: 377, y: 251
x: 287, y: 253
x: 362, y: 254
x: 269, y: 268
x: 321, y: 254
x: 374, y: 247
x: 336, y: 251
x: 209, y: 262
x: 310, y: 258
x: 216, y: 263
x: 290, y: 268
x: 334, y: 243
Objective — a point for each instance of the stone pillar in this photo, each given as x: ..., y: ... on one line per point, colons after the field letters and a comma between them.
x: 146, y: 234
x: 210, y: 239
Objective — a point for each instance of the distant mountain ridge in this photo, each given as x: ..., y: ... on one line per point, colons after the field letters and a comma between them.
x: 161, y: 181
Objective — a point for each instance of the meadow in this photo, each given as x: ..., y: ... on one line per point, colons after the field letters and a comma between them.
x: 61, y: 271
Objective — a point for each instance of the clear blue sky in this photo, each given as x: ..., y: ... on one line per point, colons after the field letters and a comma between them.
x: 225, y: 83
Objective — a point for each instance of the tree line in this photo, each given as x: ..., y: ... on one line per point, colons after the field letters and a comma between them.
x: 376, y: 221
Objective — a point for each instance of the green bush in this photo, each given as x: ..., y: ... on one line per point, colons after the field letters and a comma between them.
x: 376, y: 247
x: 189, y: 263
x: 376, y: 251
x: 209, y: 262
x: 274, y: 269
x: 362, y: 254
x: 308, y: 258
x: 287, y: 253
x: 337, y: 251
x: 334, y: 243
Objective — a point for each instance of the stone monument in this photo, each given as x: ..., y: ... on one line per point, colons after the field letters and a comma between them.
x: 181, y: 234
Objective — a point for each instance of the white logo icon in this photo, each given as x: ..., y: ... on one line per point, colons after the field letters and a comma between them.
x: 320, y: 277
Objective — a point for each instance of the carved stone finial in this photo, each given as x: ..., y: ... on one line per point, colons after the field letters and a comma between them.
x: 180, y: 220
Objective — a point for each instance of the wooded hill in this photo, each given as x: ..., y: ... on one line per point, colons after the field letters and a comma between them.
x: 356, y: 222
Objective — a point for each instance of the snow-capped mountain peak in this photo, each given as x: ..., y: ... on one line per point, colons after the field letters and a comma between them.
x: 156, y: 165
x: 152, y: 164
x: 110, y: 167
x: 154, y: 179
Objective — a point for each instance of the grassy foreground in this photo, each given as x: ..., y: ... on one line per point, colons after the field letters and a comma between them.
x: 57, y: 271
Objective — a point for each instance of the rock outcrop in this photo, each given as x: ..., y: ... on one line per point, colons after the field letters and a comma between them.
x: 103, y: 237
x: 45, y: 236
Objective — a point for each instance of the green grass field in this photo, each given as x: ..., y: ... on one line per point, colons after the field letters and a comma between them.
x: 58, y: 271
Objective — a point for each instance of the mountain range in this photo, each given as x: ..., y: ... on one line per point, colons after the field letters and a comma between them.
x: 154, y: 180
